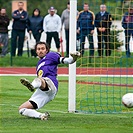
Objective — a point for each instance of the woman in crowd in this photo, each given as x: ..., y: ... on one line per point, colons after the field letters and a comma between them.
x: 35, y: 27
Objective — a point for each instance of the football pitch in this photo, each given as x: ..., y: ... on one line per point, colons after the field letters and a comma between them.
x: 13, y: 94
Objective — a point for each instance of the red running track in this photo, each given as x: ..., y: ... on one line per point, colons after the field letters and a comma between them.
x: 62, y: 70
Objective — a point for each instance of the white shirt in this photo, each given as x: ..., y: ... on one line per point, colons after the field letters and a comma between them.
x: 102, y: 13
x: 52, y: 23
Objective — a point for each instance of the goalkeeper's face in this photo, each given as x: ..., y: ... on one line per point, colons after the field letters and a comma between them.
x: 41, y: 50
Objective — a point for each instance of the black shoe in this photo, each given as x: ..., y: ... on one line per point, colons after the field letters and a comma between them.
x: 26, y: 83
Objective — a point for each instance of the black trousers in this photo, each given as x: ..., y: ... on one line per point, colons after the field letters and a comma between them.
x: 37, y: 38
x: 128, y: 35
x: 67, y: 41
x: 17, y: 40
x: 104, y: 36
x: 54, y: 35
x: 86, y: 33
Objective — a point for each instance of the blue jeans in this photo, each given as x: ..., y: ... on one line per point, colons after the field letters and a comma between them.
x: 83, y: 34
x: 4, y: 41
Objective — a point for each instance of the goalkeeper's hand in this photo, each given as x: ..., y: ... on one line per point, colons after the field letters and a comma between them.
x: 75, y: 55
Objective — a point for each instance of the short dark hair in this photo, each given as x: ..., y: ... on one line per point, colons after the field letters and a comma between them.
x: 43, y: 43
x: 86, y: 4
x: 2, y: 8
x: 21, y: 2
x: 36, y: 9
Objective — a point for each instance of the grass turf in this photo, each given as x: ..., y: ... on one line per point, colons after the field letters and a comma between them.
x: 117, y: 59
x: 12, y: 94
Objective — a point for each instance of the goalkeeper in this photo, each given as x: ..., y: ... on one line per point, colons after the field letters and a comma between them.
x: 45, y: 86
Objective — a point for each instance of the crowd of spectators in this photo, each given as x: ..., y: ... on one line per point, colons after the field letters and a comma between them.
x: 52, y: 25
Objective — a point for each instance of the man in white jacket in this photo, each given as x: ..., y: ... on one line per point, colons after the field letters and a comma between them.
x: 52, y: 27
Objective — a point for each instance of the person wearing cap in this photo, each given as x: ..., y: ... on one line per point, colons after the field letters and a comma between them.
x: 85, y: 26
x: 103, y: 21
x: 127, y: 24
x: 52, y: 27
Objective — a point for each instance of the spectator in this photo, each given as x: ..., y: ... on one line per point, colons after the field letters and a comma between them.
x: 65, y: 20
x: 35, y: 27
x: 127, y: 24
x: 103, y: 23
x: 18, y: 29
x: 52, y: 27
x: 4, y: 22
x: 85, y: 26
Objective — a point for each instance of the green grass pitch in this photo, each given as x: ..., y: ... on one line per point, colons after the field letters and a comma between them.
x: 13, y: 94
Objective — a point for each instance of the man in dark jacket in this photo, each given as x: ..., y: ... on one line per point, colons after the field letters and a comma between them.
x: 85, y: 25
x: 103, y: 22
x: 18, y: 32
x: 4, y: 22
x: 127, y: 24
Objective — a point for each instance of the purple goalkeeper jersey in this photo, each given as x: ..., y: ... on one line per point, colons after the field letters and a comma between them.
x: 47, y: 67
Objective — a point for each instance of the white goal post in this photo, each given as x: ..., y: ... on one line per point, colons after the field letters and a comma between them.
x: 72, y: 47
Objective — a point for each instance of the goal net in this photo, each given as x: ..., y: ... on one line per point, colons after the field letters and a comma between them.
x: 102, y: 81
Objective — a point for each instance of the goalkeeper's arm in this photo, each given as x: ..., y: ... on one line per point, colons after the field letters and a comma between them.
x: 71, y: 59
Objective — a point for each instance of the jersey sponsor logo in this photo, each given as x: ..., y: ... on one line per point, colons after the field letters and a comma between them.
x: 40, y: 73
x: 40, y: 65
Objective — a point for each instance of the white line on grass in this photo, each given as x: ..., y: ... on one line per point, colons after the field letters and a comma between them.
x: 79, y: 113
x: 16, y: 106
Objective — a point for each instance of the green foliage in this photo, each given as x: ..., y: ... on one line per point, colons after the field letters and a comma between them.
x: 117, y: 59
x: 13, y: 94
x: 18, y: 61
x: 112, y: 6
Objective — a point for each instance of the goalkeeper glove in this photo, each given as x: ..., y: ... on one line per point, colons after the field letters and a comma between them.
x: 75, y: 55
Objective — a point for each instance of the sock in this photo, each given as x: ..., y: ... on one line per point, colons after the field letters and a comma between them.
x: 36, y: 83
x: 30, y: 113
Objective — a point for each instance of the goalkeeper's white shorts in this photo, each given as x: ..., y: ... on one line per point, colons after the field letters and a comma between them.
x: 40, y: 97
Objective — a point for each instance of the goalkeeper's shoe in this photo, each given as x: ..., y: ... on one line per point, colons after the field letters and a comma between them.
x: 45, y: 116
x: 26, y: 83
x: 75, y: 55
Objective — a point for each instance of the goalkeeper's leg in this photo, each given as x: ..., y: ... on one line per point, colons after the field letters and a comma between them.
x: 36, y: 83
x: 45, y: 92
x: 27, y: 109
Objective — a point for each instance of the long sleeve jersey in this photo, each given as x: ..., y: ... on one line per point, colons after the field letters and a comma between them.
x: 103, y: 20
x: 35, y: 23
x: 127, y: 22
x: 19, y: 23
x: 52, y: 23
x: 85, y: 20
